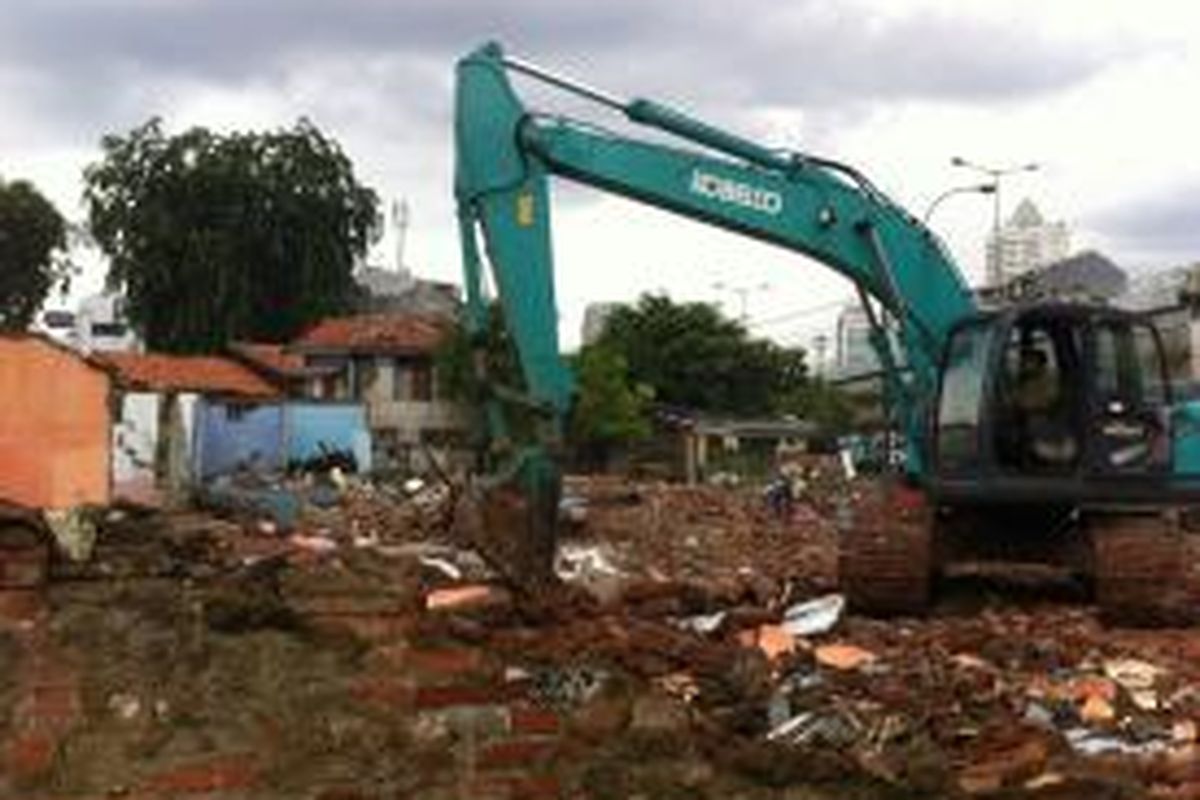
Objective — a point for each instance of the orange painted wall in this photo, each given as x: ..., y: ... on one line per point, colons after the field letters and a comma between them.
x: 54, y: 426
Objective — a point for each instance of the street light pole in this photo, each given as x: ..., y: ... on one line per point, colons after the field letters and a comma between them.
x: 743, y: 292
x: 995, y: 173
x: 977, y: 188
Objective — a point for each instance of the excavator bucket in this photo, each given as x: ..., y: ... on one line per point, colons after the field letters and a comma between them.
x: 511, y: 518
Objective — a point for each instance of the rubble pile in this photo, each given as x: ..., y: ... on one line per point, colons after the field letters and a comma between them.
x: 695, y: 645
x: 716, y: 536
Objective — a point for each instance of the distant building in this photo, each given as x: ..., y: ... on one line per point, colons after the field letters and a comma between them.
x: 399, y: 291
x: 101, y: 324
x: 385, y: 361
x: 1024, y: 243
x: 1086, y: 277
x: 98, y: 324
x: 595, y: 317
x: 854, y: 353
x: 1172, y: 298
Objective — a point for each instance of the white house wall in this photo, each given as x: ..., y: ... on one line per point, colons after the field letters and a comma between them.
x: 135, y: 442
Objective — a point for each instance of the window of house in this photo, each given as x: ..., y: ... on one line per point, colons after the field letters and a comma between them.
x: 421, y: 377
x: 399, y: 380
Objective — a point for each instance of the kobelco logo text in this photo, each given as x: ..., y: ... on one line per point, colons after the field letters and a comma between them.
x: 741, y: 194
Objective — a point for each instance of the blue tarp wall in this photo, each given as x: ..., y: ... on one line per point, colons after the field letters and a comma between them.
x: 269, y: 435
x: 336, y: 426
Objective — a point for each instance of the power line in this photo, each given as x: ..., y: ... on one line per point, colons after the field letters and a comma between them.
x: 797, y: 314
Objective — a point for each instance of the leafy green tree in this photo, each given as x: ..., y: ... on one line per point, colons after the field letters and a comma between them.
x: 693, y: 356
x: 228, y: 236
x: 454, y: 361
x: 609, y: 411
x: 823, y: 404
x: 33, y: 240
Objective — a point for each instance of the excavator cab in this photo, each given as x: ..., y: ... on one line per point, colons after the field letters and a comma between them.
x: 1051, y: 448
x: 1050, y: 398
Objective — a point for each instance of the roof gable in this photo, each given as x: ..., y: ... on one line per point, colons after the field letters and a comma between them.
x: 171, y: 373
x: 374, y: 333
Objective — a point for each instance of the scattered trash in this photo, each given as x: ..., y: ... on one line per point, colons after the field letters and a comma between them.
x: 443, y: 566
x: 814, y: 616
x: 1132, y: 673
x: 74, y: 531
x: 843, y: 656
x: 575, y: 562
x: 703, y: 623
x: 125, y: 706
x: 1092, y: 743
x: 312, y: 544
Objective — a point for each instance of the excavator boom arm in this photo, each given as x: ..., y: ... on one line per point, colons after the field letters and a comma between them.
x: 815, y: 207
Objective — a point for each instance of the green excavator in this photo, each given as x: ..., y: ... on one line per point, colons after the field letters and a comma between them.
x: 1039, y: 433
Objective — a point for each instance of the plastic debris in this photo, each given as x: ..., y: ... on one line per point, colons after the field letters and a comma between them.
x: 312, y: 544
x: 814, y: 616
x: 578, y: 562
x: 74, y: 531
x: 443, y: 566
x: 1132, y: 673
x: 703, y: 623
x: 1092, y: 743
x: 843, y: 656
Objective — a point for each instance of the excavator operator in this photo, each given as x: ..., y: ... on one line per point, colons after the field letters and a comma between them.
x: 1043, y: 412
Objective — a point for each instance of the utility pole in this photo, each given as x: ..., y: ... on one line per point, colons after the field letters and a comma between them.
x: 400, y: 219
x: 995, y: 173
x: 743, y: 293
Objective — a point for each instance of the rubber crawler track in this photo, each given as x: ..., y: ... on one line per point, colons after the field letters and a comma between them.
x: 885, y: 560
x: 1139, y: 573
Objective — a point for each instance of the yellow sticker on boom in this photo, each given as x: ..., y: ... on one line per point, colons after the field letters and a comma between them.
x: 525, y: 209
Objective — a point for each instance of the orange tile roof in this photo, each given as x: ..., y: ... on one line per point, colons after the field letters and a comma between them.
x: 271, y: 357
x: 204, y: 374
x: 373, y: 333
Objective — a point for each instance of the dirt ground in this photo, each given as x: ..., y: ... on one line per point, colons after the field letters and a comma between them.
x: 696, y: 646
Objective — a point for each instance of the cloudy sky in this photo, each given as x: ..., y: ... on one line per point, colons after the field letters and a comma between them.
x: 1102, y: 95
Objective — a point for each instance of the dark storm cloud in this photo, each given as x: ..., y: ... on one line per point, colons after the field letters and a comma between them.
x: 87, y: 56
x: 1162, y: 227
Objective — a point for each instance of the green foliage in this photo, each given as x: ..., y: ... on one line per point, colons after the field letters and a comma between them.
x: 228, y: 236
x: 454, y: 361
x: 608, y: 409
x: 33, y: 239
x: 819, y: 402
x: 694, y: 357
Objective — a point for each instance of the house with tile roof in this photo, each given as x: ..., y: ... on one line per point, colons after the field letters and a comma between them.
x: 387, y: 362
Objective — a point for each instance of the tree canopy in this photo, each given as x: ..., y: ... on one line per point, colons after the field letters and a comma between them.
x: 218, y: 237
x: 693, y: 356
x: 609, y: 410
x: 33, y: 240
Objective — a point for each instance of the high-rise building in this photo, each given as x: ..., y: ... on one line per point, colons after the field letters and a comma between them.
x: 1024, y: 243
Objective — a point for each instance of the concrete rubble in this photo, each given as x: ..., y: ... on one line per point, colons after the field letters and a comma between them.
x: 695, y: 646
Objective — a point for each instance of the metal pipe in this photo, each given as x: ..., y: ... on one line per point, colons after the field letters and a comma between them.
x: 581, y: 89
